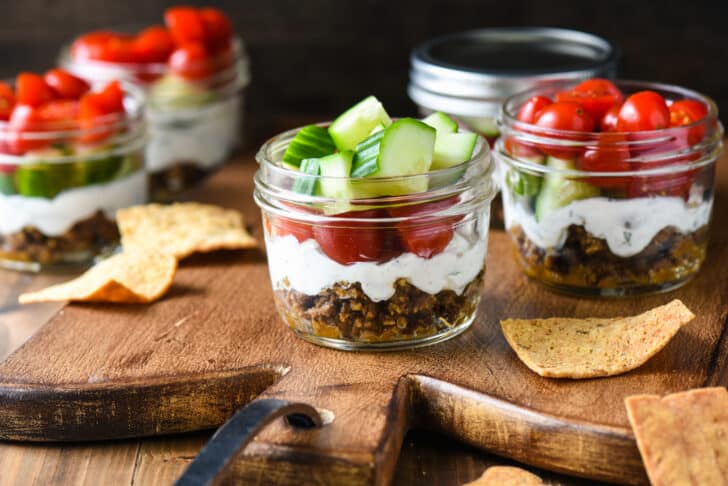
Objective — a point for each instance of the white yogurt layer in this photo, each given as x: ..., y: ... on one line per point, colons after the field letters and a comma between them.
x: 54, y: 217
x: 305, y: 268
x: 202, y: 136
x: 627, y: 225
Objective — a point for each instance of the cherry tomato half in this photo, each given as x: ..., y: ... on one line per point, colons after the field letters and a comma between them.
x: 66, y: 85
x: 91, y: 46
x: 153, y: 44
x: 595, y: 95
x: 191, y: 61
x: 7, y: 101
x: 185, y: 24
x: 610, y: 119
x: 610, y: 155
x: 218, y: 29
x: 645, y: 110
x: 564, y: 115
x: 532, y: 107
x: 351, y: 242
x: 95, y: 109
x: 685, y: 112
x: 31, y: 89
x: 428, y: 235
x: 51, y: 116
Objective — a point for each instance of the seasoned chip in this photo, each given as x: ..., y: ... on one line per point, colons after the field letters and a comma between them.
x: 182, y: 229
x: 124, y: 278
x: 506, y: 476
x: 683, y: 437
x: 592, y: 347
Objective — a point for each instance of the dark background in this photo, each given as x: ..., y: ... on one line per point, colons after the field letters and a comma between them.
x: 319, y: 56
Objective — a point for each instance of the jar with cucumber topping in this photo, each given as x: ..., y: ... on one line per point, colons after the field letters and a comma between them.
x: 71, y: 154
x: 194, y: 71
x: 376, y: 230
x: 608, y: 188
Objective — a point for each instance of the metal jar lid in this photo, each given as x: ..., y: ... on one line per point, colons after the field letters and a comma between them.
x: 471, y: 73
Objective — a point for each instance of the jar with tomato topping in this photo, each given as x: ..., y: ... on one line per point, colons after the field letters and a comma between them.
x: 71, y: 155
x: 608, y: 188
x: 194, y: 73
x: 360, y: 268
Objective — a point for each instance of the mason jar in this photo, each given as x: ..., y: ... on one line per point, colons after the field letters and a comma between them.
x: 194, y: 124
x: 376, y: 272
x: 637, y: 225
x: 60, y: 187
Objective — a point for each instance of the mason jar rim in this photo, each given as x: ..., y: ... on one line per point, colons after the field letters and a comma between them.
x: 134, y: 120
x: 482, y: 180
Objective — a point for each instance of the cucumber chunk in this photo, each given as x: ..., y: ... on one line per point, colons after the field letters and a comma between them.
x: 558, y: 191
x: 366, y: 156
x: 453, y: 149
x: 174, y: 92
x: 307, y: 184
x: 7, y: 186
x: 356, y: 123
x: 338, y: 167
x: 441, y: 122
x: 310, y: 142
x: 485, y: 125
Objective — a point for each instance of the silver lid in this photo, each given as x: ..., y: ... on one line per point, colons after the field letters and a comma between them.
x: 470, y: 73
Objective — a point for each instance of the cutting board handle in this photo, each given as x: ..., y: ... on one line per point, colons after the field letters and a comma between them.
x: 237, y: 432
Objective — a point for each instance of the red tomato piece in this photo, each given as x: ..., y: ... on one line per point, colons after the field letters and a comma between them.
x: 596, y: 96
x: 31, y: 89
x: 610, y: 155
x: 609, y: 121
x: 564, y: 115
x: 91, y: 46
x: 66, y: 85
x: 153, y: 44
x: 191, y: 61
x: 677, y: 184
x: 7, y: 101
x: 112, y: 97
x: 218, y: 29
x: 645, y: 110
x: 349, y: 242
x: 686, y: 112
x: 94, y: 112
x: 24, y: 118
x: 300, y: 230
x: 185, y: 24
x: 429, y: 235
x: 532, y: 107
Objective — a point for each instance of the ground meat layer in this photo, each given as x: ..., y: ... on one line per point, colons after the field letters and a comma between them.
x: 344, y: 311
x: 586, y: 261
x: 81, y: 243
x: 165, y: 185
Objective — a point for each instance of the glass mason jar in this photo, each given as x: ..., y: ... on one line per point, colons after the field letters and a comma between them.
x: 194, y: 124
x: 61, y: 185
x: 637, y: 225
x: 376, y: 272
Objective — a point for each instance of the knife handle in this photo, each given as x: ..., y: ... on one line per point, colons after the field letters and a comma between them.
x: 237, y: 432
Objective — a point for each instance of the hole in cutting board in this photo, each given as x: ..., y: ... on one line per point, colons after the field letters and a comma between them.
x: 300, y: 421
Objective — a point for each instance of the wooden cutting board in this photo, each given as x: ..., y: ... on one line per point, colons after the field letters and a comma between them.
x: 215, y: 343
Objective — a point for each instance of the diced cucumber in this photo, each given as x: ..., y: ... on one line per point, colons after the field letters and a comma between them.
x: 378, y: 128
x: 310, y: 142
x: 524, y: 183
x: 357, y: 123
x: 441, y: 122
x: 306, y: 184
x: 453, y: 149
x: 366, y: 156
x: 7, y: 186
x: 485, y: 125
x: 558, y: 191
x: 337, y: 167
x: 46, y: 180
x: 173, y: 92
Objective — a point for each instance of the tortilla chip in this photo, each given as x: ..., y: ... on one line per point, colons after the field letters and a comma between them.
x: 123, y: 278
x: 182, y: 229
x: 506, y: 476
x: 682, y: 438
x: 593, y: 347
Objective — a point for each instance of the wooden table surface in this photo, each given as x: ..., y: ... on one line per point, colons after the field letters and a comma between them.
x: 425, y: 458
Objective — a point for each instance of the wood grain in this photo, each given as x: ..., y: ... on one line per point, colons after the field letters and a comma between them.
x: 472, y: 388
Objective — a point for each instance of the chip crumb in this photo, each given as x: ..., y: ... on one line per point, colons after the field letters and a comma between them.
x: 182, y: 229
x: 594, y: 347
x: 683, y: 437
x: 506, y: 476
x: 131, y: 277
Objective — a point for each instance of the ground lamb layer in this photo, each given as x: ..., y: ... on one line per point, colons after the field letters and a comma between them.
x: 82, y: 242
x: 586, y: 261
x: 344, y: 311
x: 166, y: 184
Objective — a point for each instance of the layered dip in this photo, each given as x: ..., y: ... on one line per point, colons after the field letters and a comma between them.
x: 376, y: 230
